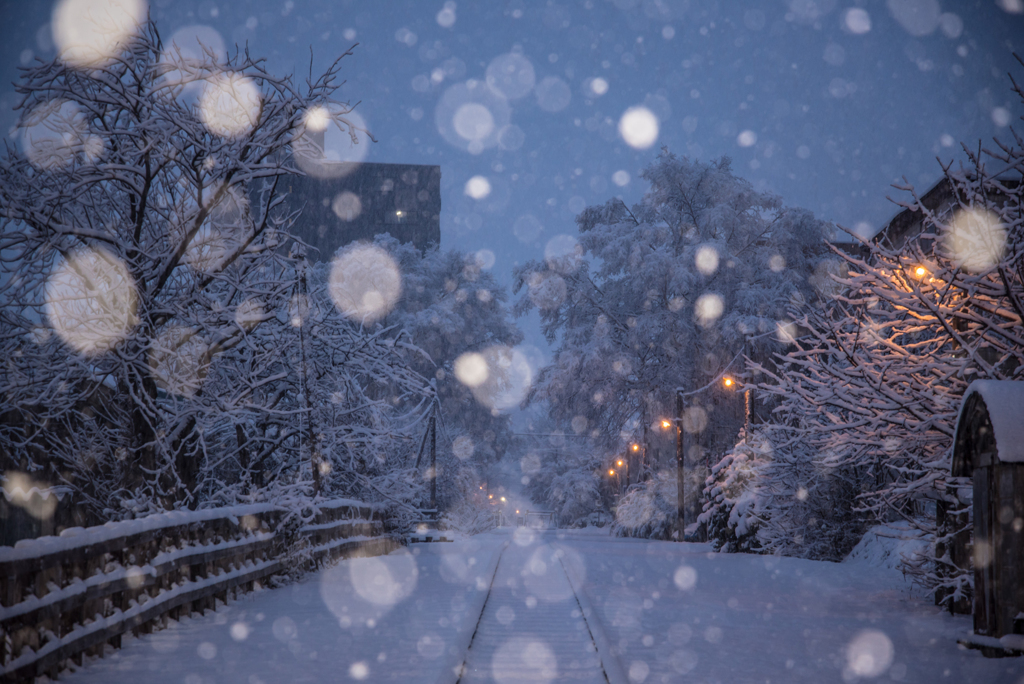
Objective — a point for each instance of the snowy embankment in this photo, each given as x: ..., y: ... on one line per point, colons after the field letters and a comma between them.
x: 663, y: 612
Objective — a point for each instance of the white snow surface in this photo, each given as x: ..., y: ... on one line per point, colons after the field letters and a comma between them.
x: 885, y: 546
x: 1004, y: 400
x: 660, y: 612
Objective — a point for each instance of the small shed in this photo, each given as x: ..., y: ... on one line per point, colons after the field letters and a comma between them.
x: 989, y: 447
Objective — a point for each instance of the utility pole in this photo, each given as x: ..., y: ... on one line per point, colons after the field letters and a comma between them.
x: 433, y: 458
x: 302, y: 304
x: 680, y: 468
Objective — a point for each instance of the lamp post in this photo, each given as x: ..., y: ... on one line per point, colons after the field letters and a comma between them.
x: 680, y: 469
x: 730, y: 383
x: 618, y: 480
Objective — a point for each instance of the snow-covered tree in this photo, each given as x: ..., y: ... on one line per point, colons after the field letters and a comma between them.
x: 874, y: 385
x: 667, y: 294
x: 772, y: 493
x: 451, y: 306
x: 142, y: 235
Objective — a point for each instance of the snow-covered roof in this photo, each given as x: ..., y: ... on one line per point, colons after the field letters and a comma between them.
x: 1004, y: 401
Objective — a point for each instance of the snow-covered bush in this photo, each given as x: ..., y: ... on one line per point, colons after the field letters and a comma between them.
x: 731, y: 499
x: 771, y: 494
x: 648, y: 509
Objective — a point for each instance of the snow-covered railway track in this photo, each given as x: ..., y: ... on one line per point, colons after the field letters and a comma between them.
x: 535, y: 624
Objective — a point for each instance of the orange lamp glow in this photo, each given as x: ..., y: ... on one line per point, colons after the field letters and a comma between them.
x: 636, y: 447
x: 920, y: 271
x: 611, y: 473
x: 727, y: 382
x: 665, y: 424
x: 619, y: 463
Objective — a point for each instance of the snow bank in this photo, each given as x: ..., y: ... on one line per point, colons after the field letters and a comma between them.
x: 886, y: 546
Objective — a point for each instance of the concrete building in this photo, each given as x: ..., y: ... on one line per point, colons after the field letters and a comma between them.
x: 343, y: 202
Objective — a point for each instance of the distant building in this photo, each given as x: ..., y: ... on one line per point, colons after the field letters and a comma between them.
x: 909, y: 223
x: 941, y: 201
x: 343, y: 202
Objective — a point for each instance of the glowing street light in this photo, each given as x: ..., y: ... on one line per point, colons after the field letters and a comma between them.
x: 666, y: 424
x: 729, y: 382
x: 611, y: 473
x: 920, y: 271
x: 619, y: 463
x: 636, y: 447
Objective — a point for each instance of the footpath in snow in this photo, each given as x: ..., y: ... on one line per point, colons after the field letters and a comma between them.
x: 642, y: 612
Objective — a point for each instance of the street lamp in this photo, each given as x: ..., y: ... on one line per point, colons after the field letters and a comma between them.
x: 729, y: 382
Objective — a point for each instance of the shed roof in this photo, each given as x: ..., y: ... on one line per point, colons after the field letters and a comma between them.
x: 1004, y: 402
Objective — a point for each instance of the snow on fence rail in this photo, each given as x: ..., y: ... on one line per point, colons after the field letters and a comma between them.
x: 66, y: 597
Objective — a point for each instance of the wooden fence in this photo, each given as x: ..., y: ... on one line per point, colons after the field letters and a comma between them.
x: 67, y: 597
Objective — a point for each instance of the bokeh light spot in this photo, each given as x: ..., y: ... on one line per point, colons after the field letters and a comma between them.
x: 347, y: 206
x: 524, y: 659
x: 563, y: 254
x: 317, y: 119
x: 91, y: 300
x: 639, y: 127
x: 869, y: 654
x: 484, y: 258
x: 708, y: 309
x: 331, y: 143
x: 230, y: 105
x: 384, y: 580
x: 598, y: 86
x: 746, y: 138
x: 473, y: 121
x: 685, y: 577
x: 917, y: 17
x: 365, y: 282
x: 55, y: 134
x: 506, y: 379
x: 511, y: 75
x: 975, y: 239
x: 857, y: 20
x: 553, y: 94
x: 707, y: 260
x: 546, y: 290
x: 178, y: 360
x: 446, y: 17
x: 90, y: 33
x: 478, y: 187
x: 471, y: 369
x: 463, y: 448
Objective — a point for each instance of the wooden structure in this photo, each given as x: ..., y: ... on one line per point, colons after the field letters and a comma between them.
x: 989, y: 447
x: 65, y: 597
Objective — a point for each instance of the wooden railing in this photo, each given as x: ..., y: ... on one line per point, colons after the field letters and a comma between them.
x: 67, y: 597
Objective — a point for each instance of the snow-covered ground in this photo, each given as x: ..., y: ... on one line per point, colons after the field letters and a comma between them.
x: 658, y: 612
